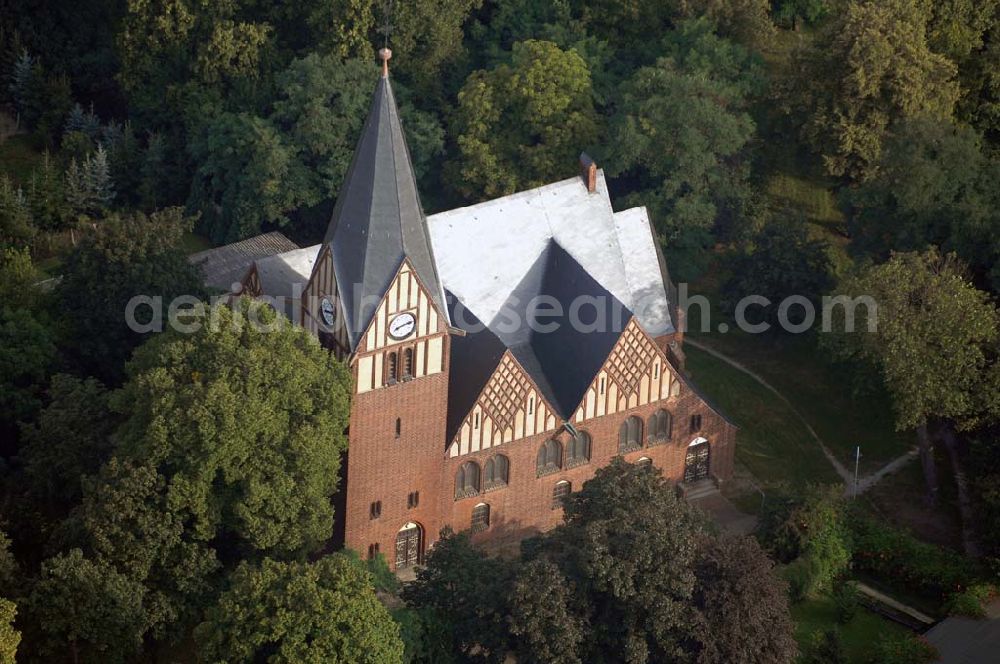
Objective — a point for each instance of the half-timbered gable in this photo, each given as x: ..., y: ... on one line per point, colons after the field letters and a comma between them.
x: 636, y: 373
x: 250, y: 284
x: 509, y: 408
x: 406, y: 337
x: 322, y: 306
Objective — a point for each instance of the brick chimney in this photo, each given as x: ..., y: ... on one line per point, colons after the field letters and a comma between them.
x: 588, y: 171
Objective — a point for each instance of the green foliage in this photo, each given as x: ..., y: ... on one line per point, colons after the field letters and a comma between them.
x: 426, y: 638
x: 465, y: 590
x: 128, y: 255
x: 8, y: 567
x: 547, y: 631
x: 45, y: 99
x: 790, y: 12
x: 27, y: 354
x: 980, y: 103
x: 824, y: 647
x: 47, y: 197
x: 89, y: 189
x: 517, y: 126
x: 780, y: 261
x: 870, y: 66
x: 325, y: 611
x: 903, y: 649
x: 972, y: 601
x: 70, y: 438
x: 427, y: 37
x: 808, y: 530
x: 681, y: 132
x: 930, y: 346
x: 935, y: 185
x: 845, y: 596
x: 86, y: 608
x: 17, y: 228
x: 9, y: 637
x: 957, y: 27
x: 743, y: 609
x: 895, y: 555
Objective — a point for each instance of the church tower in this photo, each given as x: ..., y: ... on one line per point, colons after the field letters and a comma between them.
x: 375, y: 299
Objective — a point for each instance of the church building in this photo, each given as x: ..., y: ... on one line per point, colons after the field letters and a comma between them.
x: 501, y: 352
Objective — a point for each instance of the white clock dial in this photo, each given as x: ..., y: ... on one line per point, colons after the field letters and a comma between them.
x: 326, y: 311
x: 402, y: 325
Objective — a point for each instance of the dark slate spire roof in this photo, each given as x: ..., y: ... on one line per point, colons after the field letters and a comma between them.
x: 378, y: 219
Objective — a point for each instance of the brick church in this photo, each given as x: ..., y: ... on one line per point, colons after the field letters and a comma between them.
x: 501, y: 352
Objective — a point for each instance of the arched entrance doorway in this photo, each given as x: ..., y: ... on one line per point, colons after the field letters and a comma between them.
x: 409, y: 545
x: 697, y: 462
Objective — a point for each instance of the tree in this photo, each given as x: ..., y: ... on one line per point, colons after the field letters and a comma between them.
x: 246, y: 426
x: 325, y: 611
x: 464, y: 589
x: 956, y: 27
x: 780, y: 261
x: 931, y: 345
x: 47, y: 197
x: 681, y: 133
x: 742, y: 605
x: 428, y: 36
x: 17, y: 229
x: 547, y: 630
x: 126, y: 256
x: 809, y: 11
x: 9, y: 637
x: 27, y: 355
x: 71, y: 438
x: 518, y: 124
x: 870, y: 66
x: 86, y: 611
x: 934, y: 186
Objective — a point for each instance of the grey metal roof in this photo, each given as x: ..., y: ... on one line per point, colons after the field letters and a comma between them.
x: 223, y: 266
x: 563, y: 360
x: 378, y: 219
x: 285, y: 276
x: 483, y: 251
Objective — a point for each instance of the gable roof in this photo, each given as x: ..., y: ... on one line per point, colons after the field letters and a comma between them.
x: 378, y: 219
x: 560, y: 353
x: 280, y: 274
x: 221, y: 267
x: 483, y: 251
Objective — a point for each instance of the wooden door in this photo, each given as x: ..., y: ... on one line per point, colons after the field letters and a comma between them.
x: 696, y: 464
x: 408, y: 546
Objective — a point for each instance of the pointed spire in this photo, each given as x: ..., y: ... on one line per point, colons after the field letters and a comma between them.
x: 378, y: 219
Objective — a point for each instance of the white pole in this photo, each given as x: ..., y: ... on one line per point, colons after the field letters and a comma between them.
x: 857, y: 462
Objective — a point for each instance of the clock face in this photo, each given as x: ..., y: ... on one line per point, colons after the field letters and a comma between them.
x: 326, y: 310
x: 402, y: 325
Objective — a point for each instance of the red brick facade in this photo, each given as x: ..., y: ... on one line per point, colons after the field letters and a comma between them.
x: 386, y: 469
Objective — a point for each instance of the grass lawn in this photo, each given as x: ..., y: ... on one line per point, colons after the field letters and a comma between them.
x: 772, y: 443
x: 858, y: 635
x: 794, y: 366
x: 19, y: 156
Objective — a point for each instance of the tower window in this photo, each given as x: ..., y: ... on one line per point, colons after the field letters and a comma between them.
x: 375, y: 511
x: 407, y: 363
x: 412, y: 499
x: 695, y: 423
x: 399, y: 426
x: 373, y: 551
x: 391, y: 367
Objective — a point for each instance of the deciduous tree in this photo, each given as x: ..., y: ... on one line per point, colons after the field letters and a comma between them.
x: 325, y: 611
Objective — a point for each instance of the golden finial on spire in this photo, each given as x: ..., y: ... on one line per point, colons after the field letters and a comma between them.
x: 384, y: 54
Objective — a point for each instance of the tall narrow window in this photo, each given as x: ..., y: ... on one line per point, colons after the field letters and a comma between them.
x: 578, y: 451
x: 399, y: 426
x: 375, y: 510
x: 495, y: 472
x: 373, y: 551
x: 480, y: 517
x: 408, y: 363
x: 630, y: 435
x: 695, y: 423
x: 412, y: 499
x: 559, y: 493
x: 531, y: 406
x: 467, y: 480
x: 475, y: 421
x: 549, y: 458
x: 391, y: 368
x: 602, y: 386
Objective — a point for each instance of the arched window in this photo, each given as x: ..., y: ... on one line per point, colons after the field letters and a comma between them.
x: 630, y: 435
x: 559, y: 493
x: 495, y: 472
x: 408, y: 363
x: 391, y: 368
x: 644, y: 462
x: 659, y: 427
x: 579, y: 449
x: 549, y: 457
x: 480, y: 517
x: 467, y: 480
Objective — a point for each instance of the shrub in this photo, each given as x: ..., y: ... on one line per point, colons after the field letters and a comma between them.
x: 846, y: 599
x: 903, y: 649
x: 892, y: 554
x: 972, y: 601
x: 824, y: 647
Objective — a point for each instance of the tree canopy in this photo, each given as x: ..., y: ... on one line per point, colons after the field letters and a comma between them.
x: 324, y: 611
